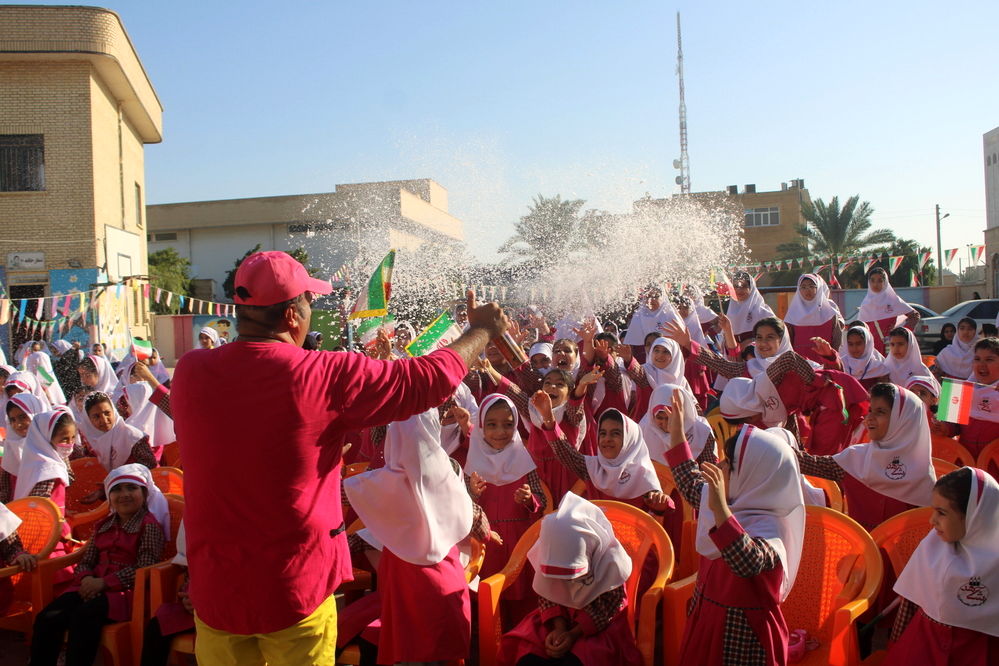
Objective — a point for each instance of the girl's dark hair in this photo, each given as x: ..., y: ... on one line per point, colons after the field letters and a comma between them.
x: 64, y: 421
x: 856, y: 323
x: 88, y: 365
x: 655, y: 335
x: 9, y: 405
x: 877, y: 269
x: 956, y: 488
x: 611, y: 415
x: 952, y: 326
x: 609, y: 337
x: 886, y: 391
x: 991, y: 344
x: 772, y: 322
x: 900, y: 332
x: 566, y: 377
x: 741, y: 276
x: 968, y: 320
x: 990, y: 330
x: 565, y: 341
x: 853, y: 331
x: 4, y: 374
x: 96, y: 399
x: 748, y: 353
x: 729, y: 446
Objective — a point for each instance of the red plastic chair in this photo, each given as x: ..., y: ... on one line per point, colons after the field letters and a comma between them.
x: 39, y: 532
x: 946, y: 448
x: 686, y: 561
x: 899, y: 535
x: 637, y: 531
x: 88, y: 476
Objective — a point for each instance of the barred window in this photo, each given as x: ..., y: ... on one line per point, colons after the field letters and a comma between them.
x: 762, y: 217
x: 22, y: 163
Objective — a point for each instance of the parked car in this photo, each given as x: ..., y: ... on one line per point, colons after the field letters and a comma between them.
x: 983, y: 311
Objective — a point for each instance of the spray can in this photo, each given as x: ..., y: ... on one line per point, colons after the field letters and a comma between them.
x: 511, y: 351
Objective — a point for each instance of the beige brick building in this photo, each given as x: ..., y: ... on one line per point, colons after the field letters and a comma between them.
x: 76, y: 108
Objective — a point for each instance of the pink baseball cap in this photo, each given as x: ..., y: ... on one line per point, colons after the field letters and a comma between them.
x: 268, y: 278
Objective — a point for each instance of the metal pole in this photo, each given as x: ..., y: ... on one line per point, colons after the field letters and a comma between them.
x: 939, y: 250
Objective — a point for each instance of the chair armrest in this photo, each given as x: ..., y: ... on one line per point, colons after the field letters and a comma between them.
x: 43, y: 577
x: 490, y: 591
x: 646, y: 636
x: 163, y: 583
x: 675, y: 597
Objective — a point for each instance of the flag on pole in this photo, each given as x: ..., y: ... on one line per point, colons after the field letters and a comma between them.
x: 142, y: 349
x: 913, y: 279
x: 923, y: 258
x: 441, y: 332
x: 367, y: 331
x: 894, y: 263
x: 976, y: 253
x: 834, y: 282
x: 43, y: 373
x: 373, y: 301
x: 948, y: 256
x: 956, y: 397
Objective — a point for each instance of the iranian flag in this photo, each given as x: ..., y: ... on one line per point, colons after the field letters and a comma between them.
x: 367, y: 331
x: 976, y: 253
x: 956, y: 397
x: 948, y: 256
x: 869, y: 264
x: 47, y: 377
x: 894, y: 263
x: 441, y: 332
x: 142, y: 349
x: 923, y: 258
x: 913, y: 279
x: 373, y: 302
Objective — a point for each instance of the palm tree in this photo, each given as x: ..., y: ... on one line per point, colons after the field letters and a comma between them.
x: 836, y: 232
x: 547, y: 232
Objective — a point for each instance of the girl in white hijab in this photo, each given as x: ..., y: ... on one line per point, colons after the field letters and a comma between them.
x: 812, y: 495
x: 746, y: 307
x: 40, y: 365
x: 23, y: 381
x: 882, y: 308
x: 813, y: 314
x: 861, y: 360
x: 97, y: 374
x: 955, y: 360
x: 208, y: 338
x: 580, y: 572
x: 664, y: 364
x: 655, y: 425
x: 19, y: 412
x: 650, y: 317
x: 147, y: 418
x: 891, y: 473
x: 904, y: 360
x: 110, y: 439
x: 43, y: 471
x: 946, y: 616
x: 754, y: 493
x: 418, y: 509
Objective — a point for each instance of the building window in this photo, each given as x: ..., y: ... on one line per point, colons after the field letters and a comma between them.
x: 169, y: 236
x: 22, y: 163
x: 762, y: 217
x: 138, y: 204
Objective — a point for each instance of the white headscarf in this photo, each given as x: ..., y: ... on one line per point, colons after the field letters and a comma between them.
x: 62, y: 346
x: 739, y: 399
x: 3, y: 357
x: 758, y: 365
x: 899, y: 465
x: 212, y: 334
x: 39, y: 364
x: 953, y: 582
x: 147, y: 417
x: 814, y: 496
x: 631, y: 473
x: 159, y: 370
x: 870, y: 365
x: 692, y: 322
x: 115, y: 445
x: 451, y: 433
x: 646, y: 320
x: 764, y: 494
x: 13, y: 444
x: 673, y: 372
x: 544, y: 348
x: 497, y: 467
x: 415, y: 505
x: 141, y: 476
x: 815, y: 312
x: 40, y: 461
x: 912, y: 364
x: 26, y: 383
x: 9, y: 522
x: 558, y: 413
x: 696, y: 296
x: 884, y: 304
x: 956, y: 358
x: 745, y: 314
x: 696, y: 429
x: 106, y: 379
x: 577, y: 557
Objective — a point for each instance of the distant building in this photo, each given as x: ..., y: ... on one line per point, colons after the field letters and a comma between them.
x: 76, y: 109
x: 332, y: 226
x: 990, y: 150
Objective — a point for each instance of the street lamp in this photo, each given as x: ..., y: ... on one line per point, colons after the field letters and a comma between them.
x: 940, y: 247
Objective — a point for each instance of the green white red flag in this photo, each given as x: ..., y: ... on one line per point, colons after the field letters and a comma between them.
x: 924, y: 257
x: 913, y: 279
x: 948, y: 256
x: 956, y: 397
x: 142, y: 349
x: 894, y: 263
x: 373, y: 301
x: 976, y: 253
x: 441, y: 332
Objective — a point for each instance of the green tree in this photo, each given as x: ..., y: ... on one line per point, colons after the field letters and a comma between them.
x: 229, y: 285
x: 546, y: 233
x: 910, y: 250
x: 168, y: 270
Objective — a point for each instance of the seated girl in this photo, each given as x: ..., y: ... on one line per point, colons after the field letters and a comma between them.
x: 946, y: 616
x: 12, y: 553
x: 19, y: 411
x: 580, y: 569
x: 927, y: 390
x: 903, y: 360
x: 892, y: 472
x: 112, y: 441
x: 861, y: 360
x: 130, y: 537
x: 955, y: 360
x: 983, y: 424
x: 136, y: 407
x: 750, y: 531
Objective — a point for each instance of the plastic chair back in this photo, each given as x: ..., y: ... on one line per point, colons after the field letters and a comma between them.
x: 899, y: 535
x: 354, y: 468
x: 39, y: 530
x: 686, y: 554
x: 833, y: 492
x: 952, y: 451
x: 942, y: 467
x: 171, y: 455
x: 839, y: 576
x: 176, y: 503
x: 988, y: 459
x: 723, y: 430
x: 478, y: 555
x: 169, y: 480
x: 88, y: 476
x: 929, y: 361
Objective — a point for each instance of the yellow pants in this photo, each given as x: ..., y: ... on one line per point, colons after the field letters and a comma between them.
x: 311, y: 641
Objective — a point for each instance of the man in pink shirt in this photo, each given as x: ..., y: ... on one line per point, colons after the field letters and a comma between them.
x: 261, y: 426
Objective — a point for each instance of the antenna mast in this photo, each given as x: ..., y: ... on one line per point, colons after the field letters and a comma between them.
x: 683, y: 164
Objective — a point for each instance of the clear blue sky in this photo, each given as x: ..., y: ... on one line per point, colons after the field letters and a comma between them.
x: 501, y: 101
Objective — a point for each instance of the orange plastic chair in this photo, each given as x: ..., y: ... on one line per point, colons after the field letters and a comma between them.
x: 169, y: 480
x: 946, y: 448
x: 838, y: 578
x: 637, y: 531
x: 88, y: 476
x: 549, y: 501
x: 929, y: 361
x: 833, y: 492
x: 723, y: 430
x: 988, y: 459
x: 942, y: 467
x: 171, y: 456
x: 686, y: 561
x: 354, y: 468
x: 39, y: 532
x: 83, y: 523
x: 899, y: 535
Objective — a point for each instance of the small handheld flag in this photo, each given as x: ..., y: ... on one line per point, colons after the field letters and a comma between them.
x: 441, y: 332
x: 373, y: 301
x: 956, y: 397
x: 142, y: 349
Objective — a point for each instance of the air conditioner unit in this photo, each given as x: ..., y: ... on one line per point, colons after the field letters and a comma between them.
x: 751, y: 188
